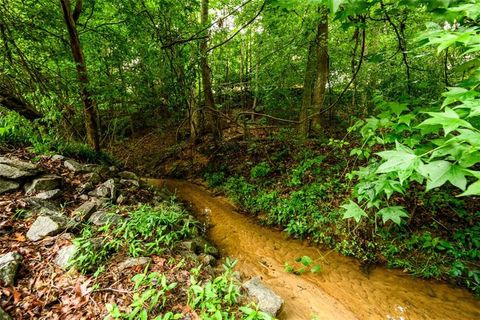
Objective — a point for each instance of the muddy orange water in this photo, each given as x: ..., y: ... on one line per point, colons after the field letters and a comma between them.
x: 340, y: 291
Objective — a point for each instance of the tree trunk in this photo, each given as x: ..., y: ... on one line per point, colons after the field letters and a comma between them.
x: 82, y: 75
x: 316, y: 76
x: 207, y: 76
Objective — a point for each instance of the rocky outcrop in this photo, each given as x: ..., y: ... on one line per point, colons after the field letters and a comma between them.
x: 268, y: 301
x: 9, y: 264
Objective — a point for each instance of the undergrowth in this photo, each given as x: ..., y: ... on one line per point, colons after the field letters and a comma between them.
x: 302, y: 192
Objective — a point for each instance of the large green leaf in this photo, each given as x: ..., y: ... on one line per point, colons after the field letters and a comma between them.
x: 394, y: 213
x: 473, y: 190
x: 441, y: 171
x: 402, y: 160
x: 352, y: 210
x: 449, y: 120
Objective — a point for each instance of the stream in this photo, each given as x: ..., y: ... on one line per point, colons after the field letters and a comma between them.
x: 340, y: 291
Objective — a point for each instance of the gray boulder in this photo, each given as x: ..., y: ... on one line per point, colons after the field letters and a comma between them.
x: 93, y: 177
x: 7, y: 185
x: 132, y: 262
x: 74, y: 166
x: 48, y: 225
x: 107, y: 189
x: 268, y: 301
x: 121, y: 199
x: 47, y: 195
x: 45, y: 183
x: 4, y: 315
x: 64, y: 256
x: 84, y: 211
x: 13, y: 168
x: 9, y: 264
x: 57, y: 157
x: 101, y: 218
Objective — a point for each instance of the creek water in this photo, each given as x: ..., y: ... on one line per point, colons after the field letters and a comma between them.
x: 340, y: 291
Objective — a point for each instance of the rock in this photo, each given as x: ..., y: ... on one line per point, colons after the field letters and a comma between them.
x: 127, y: 175
x: 93, y: 177
x: 4, y: 315
x: 105, y: 190
x: 83, y: 197
x: 9, y: 264
x: 64, y: 256
x: 46, y: 195
x: 47, y: 225
x: 129, y: 182
x: 7, y: 185
x: 74, y: 166
x: 268, y: 301
x: 201, y: 245
x: 186, y: 245
x: 120, y: 199
x: 38, y: 204
x: 131, y: 262
x: 87, y: 186
x: 101, y: 218
x: 45, y: 183
x: 207, y: 259
x: 84, y: 211
x: 47, y: 211
x: 57, y: 157
x: 13, y: 168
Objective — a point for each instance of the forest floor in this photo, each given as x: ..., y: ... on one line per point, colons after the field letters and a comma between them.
x: 90, y: 241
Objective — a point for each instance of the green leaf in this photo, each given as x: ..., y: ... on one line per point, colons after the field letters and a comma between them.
x: 449, y: 120
x: 441, y: 171
x: 316, y: 269
x: 395, y: 213
x: 402, y: 160
x: 334, y: 5
x: 305, y: 260
x: 473, y: 190
x: 352, y: 210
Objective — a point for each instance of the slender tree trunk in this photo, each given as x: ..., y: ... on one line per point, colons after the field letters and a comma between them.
x: 82, y: 75
x: 206, y: 75
x: 316, y: 76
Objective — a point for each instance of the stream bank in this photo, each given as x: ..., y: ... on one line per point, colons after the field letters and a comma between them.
x: 340, y: 291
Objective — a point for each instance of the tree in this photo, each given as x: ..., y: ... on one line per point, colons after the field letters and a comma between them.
x: 316, y: 76
x: 206, y: 74
x: 71, y: 19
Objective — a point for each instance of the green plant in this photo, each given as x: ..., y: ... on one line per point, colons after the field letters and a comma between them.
x: 444, y: 147
x: 149, y: 299
x: 148, y: 230
x: 215, y: 299
x: 261, y: 170
x: 306, y: 264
